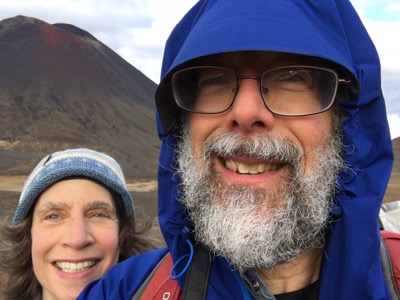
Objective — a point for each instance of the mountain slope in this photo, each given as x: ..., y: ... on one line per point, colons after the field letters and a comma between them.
x: 396, y: 152
x: 60, y: 87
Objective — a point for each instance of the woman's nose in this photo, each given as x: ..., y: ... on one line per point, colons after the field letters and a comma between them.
x: 78, y: 234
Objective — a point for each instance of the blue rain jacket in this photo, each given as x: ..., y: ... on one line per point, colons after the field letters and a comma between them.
x: 329, y: 29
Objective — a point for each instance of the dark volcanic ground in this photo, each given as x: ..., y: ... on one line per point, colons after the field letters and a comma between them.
x: 61, y: 88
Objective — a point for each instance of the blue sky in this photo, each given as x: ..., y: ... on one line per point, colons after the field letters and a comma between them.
x: 379, y: 10
x: 137, y: 30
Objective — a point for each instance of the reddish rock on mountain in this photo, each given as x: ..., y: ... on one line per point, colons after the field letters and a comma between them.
x: 60, y: 87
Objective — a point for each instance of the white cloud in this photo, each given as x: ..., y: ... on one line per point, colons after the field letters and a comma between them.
x: 391, y: 89
x: 151, y: 41
x: 394, y: 7
x: 382, y: 22
x: 383, y: 34
x: 394, y: 121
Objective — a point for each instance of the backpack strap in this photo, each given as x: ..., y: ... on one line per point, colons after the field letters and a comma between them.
x: 390, y: 259
x: 159, y: 284
x: 197, y: 276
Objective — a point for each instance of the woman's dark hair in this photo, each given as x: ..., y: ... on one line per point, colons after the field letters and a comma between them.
x: 17, y: 279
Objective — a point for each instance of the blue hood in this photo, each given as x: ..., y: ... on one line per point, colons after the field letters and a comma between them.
x: 327, y: 29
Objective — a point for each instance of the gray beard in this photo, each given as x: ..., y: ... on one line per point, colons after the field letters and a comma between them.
x: 254, y: 227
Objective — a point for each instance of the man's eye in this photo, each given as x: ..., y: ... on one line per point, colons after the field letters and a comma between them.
x: 291, y: 76
x: 299, y: 76
x: 217, y: 79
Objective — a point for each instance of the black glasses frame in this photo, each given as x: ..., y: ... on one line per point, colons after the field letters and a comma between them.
x: 177, y: 97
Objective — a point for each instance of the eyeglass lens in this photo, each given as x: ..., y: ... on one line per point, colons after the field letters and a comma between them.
x: 289, y: 91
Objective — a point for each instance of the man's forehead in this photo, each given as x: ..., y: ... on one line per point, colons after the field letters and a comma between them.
x: 258, y: 59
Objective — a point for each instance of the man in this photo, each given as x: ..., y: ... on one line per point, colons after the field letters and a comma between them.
x: 275, y: 157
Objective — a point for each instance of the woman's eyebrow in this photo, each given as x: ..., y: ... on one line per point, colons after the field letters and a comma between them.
x: 100, y: 205
x: 48, y: 206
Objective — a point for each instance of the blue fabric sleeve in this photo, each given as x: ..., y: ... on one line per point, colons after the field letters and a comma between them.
x: 122, y: 281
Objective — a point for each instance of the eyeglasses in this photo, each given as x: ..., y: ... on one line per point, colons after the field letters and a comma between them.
x: 286, y: 91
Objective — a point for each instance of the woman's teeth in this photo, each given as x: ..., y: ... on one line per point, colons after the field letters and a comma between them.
x: 70, y: 267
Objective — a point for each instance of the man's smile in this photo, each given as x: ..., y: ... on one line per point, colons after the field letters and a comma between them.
x: 250, y: 168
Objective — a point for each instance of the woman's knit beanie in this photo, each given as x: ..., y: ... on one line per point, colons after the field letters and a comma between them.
x: 83, y: 163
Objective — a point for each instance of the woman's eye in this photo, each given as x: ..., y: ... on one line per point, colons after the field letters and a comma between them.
x: 52, y: 216
x: 99, y: 214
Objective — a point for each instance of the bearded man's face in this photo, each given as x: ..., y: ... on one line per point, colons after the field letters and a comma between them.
x: 258, y: 200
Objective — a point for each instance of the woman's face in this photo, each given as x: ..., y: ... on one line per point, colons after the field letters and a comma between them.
x: 74, y: 237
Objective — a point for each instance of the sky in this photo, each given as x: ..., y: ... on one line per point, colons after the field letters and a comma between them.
x: 137, y: 31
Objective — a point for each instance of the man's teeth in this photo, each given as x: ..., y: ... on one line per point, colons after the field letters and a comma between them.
x: 70, y: 267
x: 242, y: 168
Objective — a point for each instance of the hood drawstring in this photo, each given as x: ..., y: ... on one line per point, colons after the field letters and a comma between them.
x: 174, y: 277
x: 336, y: 211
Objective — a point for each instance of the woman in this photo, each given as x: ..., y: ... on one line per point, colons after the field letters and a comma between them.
x: 74, y: 221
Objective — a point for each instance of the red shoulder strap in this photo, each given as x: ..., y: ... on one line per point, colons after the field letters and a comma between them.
x: 161, y: 286
x: 392, y: 242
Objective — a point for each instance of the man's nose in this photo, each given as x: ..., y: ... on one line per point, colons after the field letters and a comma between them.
x: 248, y: 112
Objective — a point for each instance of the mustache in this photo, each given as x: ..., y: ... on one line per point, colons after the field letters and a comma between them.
x: 261, y: 146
